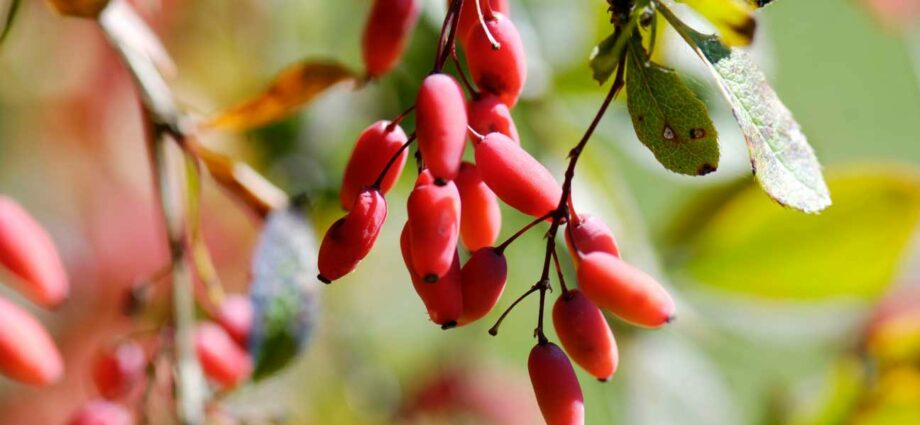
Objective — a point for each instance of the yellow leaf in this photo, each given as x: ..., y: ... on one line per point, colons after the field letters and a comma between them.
x: 80, y: 8
x: 241, y: 180
x: 294, y: 87
x: 731, y: 17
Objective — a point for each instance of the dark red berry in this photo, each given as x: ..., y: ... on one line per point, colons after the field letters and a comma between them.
x: 443, y: 299
x: 469, y: 16
x: 488, y: 114
x: 351, y: 238
x: 502, y: 71
x: 434, y: 225
x: 119, y: 369
x: 516, y: 177
x: 480, y: 216
x: 590, y: 234
x: 440, y: 124
x: 585, y: 334
x: 556, y: 386
x: 374, y: 148
x: 624, y: 290
x: 483, y: 277
x: 388, y: 28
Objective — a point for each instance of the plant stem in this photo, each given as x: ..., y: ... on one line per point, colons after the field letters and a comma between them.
x: 392, y: 160
x: 501, y: 248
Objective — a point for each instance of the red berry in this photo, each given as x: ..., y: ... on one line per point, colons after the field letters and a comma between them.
x: 386, y: 32
x: 556, y: 386
x: 102, y: 412
x: 222, y: 360
x: 235, y: 316
x: 120, y: 369
x: 498, y: 71
x: 488, y: 114
x: 585, y: 334
x: 483, y: 277
x: 443, y: 299
x: 469, y: 16
x: 434, y: 226
x: 480, y: 216
x: 440, y: 123
x: 516, y: 177
x: 625, y: 290
x: 27, y: 352
x: 374, y: 148
x: 29, y: 253
x: 591, y: 234
x: 351, y: 238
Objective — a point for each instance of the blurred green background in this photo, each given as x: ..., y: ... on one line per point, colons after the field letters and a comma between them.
x: 783, y: 318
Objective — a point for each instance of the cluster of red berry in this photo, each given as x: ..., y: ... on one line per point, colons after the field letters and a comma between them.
x: 454, y: 202
x: 29, y: 355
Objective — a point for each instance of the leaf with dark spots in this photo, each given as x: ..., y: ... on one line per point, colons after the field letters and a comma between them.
x: 284, y: 292
x: 783, y: 161
x: 668, y: 117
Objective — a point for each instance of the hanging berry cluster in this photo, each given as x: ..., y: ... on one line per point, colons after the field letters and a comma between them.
x: 456, y: 202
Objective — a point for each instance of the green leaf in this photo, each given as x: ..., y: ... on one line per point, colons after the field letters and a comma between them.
x: 749, y: 246
x: 606, y: 55
x: 783, y: 161
x: 603, y: 59
x: 668, y: 118
x: 283, y: 292
x: 10, y: 18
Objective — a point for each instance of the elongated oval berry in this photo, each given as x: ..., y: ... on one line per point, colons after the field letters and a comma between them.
x: 483, y: 277
x: 376, y: 145
x: 488, y: 114
x: 385, y: 35
x: 27, y: 352
x: 29, y: 253
x: 590, y: 234
x: 434, y: 225
x: 235, y: 315
x: 102, y: 412
x: 440, y: 124
x: 119, y: 369
x: 443, y: 299
x: 556, y: 386
x: 501, y: 71
x: 469, y: 16
x: 480, y: 216
x: 222, y: 360
x: 351, y: 238
x: 516, y: 177
x: 585, y: 334
x: 625, y: 290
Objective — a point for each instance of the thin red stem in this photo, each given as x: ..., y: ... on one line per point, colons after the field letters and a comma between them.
x: 392, y: 160
x: 501, y: 248
x: 402, y: 115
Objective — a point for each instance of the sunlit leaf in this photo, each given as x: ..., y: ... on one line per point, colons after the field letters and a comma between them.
x: 668, y: 118
x: 731, y: 17
x: 294, y: 87
x: 749, y: 246
x: 241, y: 180
x: 843, y: 386
x: 783, y: 161
x: 11, y: 13
x: 283, y: 291
x: 80, y: 8
x: 759, y: 3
